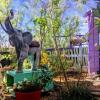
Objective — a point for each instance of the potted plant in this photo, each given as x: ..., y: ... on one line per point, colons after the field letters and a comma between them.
x: 77, y: 40
x: 27, y: 89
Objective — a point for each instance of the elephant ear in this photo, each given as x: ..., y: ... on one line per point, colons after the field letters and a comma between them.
x: 27, y: 37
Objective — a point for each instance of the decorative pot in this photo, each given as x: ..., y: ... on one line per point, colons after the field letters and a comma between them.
x: 36, y: 95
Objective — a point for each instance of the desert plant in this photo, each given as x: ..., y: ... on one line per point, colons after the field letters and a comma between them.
x: 77, y: 93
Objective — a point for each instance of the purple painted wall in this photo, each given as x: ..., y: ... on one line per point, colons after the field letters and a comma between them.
x: 93, y: 53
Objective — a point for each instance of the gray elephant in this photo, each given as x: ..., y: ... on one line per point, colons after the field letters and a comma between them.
x: 22, y: 41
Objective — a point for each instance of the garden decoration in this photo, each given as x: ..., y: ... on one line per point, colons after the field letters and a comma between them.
x: 25, y: 47
x: 22, y: 41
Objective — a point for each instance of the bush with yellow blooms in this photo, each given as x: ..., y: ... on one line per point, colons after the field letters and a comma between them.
x: 44, y: 59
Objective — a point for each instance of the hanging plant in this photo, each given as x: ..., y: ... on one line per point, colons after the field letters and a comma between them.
x: 77, y: 40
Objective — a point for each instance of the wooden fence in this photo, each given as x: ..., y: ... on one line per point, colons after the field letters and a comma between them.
x: 79, y: 54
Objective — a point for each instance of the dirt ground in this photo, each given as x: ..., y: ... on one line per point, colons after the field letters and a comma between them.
x: 53, y: 95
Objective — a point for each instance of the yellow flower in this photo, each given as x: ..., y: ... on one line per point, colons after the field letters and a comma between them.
x: 44, y: 58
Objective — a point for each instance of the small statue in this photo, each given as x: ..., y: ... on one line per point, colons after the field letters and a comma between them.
x: 22, y: 41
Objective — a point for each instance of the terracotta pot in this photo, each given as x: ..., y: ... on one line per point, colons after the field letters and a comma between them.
x: 29, y: 96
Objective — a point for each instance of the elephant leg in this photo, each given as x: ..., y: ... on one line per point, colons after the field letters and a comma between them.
x: 23, y: 55
x: 38, y: 54
x: 17, y: 52
x: 20, y: 66
x: 31, y: 58
x: 35, y: 57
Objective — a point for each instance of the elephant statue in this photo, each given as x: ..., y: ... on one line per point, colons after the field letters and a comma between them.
x: 22, y: 41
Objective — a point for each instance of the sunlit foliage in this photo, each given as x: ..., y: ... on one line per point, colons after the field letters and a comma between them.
x: 4, y: 8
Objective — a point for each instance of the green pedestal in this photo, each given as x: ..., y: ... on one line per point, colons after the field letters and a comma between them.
x: 37, y: 76
x: 13, y: 77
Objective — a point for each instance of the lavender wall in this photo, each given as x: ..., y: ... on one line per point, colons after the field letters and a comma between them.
x: 93, y: 40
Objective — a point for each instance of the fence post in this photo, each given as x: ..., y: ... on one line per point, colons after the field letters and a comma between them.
x: 93, y: 54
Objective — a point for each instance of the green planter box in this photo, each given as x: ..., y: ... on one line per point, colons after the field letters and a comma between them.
x: 13, y: 77
x: 36, y: 76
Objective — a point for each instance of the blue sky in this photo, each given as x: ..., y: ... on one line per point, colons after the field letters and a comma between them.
x: 73, y: 8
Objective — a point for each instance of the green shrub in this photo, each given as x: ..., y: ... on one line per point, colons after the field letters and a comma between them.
x: 77, y: 93
x: 44, y: 77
